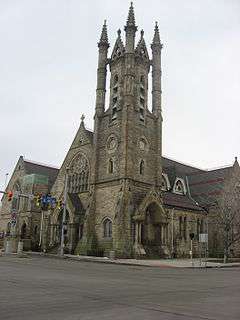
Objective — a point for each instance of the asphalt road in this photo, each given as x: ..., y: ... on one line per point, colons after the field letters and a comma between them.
x: 42, y: 288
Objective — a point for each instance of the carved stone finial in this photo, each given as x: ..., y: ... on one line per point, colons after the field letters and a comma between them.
x: 119, y: 32
x: 142, y: 33
x: 82, y: 118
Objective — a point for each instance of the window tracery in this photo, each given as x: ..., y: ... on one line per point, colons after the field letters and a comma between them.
x: 79, y: 174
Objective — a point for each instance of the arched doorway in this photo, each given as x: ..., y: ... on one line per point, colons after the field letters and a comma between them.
x: 23, y: 231
x: 154, y: 231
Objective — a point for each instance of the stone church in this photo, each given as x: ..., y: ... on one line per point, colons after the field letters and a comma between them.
x: 115, y: 173
x: 122, y: 194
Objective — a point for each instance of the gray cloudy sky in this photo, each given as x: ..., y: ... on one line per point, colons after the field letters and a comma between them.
x: 48, y: 61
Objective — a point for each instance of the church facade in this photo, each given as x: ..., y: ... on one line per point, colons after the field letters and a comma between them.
x: 123, y: 195
x: 115, y: 178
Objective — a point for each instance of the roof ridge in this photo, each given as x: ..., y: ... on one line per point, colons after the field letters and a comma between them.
x: 219, y: 168
x: 185, y: 164
x: 41, y: 164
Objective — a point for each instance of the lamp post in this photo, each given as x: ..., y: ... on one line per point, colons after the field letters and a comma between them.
x: 64, y: 212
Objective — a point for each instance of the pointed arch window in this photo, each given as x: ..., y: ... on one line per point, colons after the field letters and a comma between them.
x: 141, y: 167
x: 107, y: 228
x: 142, y: 99
x: 24, y: 231
x: 115, y: 80
x: 114, y: 96
x: 110, y: 166
x: 179, y: 186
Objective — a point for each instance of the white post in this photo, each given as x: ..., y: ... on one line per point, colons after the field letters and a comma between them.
x: 41, y: 230
x: 191, y: 252
x: 64, y: 213
x: 172, y: 233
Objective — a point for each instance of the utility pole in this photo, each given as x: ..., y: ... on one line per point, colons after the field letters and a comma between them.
x: 64, y: 212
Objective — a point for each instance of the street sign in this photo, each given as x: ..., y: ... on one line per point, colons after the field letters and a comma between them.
x: 203, y: 237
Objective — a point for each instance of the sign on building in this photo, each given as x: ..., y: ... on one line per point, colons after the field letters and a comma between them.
x: 203, y: 237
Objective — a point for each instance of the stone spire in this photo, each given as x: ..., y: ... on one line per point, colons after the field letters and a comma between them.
x: 156, y: 47
x: 104, y: 37
x: 103, y: 46
x: 131, y: 17
x: 156, y: 37
x: 130, y: 30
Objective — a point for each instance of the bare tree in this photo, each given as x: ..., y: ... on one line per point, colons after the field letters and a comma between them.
x: 226, y: 212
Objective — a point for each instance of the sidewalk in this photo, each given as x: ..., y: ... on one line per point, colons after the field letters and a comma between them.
x: 164, y: 263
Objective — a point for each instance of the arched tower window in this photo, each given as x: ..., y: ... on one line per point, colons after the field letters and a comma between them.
x: 115, y: 90
x: 107, y: 228
x: 79, y: 173
x: 141, y: 167
x: 110, y: 166
x: 115, y: 80
x: 142, y: 99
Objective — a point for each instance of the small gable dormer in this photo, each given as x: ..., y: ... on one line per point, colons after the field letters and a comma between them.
x: 179, y: 186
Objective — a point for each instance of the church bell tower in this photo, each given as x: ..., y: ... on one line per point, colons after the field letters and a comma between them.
x: 126, y: 165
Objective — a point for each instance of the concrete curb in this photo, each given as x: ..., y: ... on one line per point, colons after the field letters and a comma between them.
x: 116, y: 262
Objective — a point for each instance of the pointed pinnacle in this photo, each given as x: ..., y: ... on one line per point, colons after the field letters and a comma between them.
x: 104, y: 36
x: 131, y: 17
x: 156, y: 38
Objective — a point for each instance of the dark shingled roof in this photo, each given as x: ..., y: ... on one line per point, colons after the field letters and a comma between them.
x: 38, y: 168
x: 179, y: 167
x: 180, y: 201
x: 206, y: 186
x: 176, y: 169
